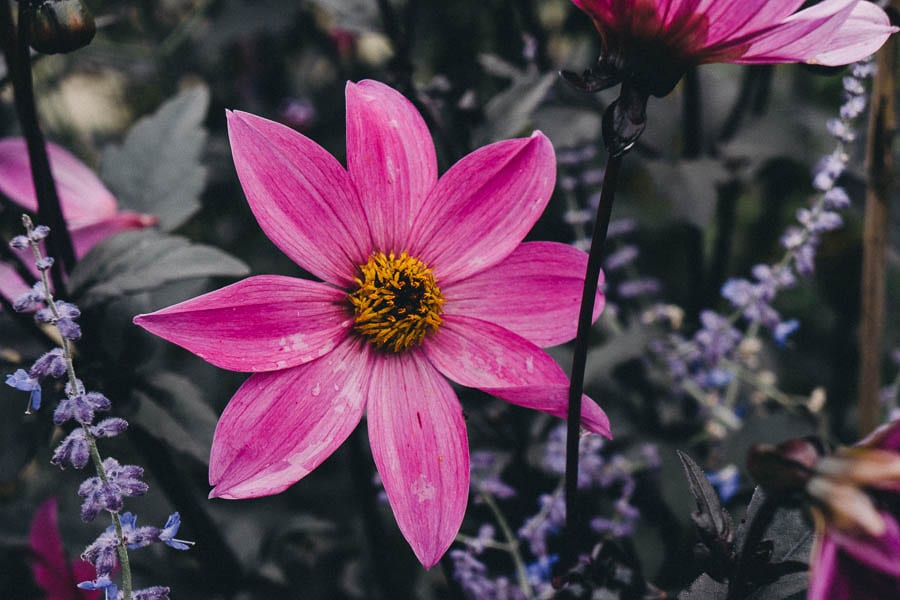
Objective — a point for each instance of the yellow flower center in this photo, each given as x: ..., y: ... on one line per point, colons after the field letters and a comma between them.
x: 397, y: 302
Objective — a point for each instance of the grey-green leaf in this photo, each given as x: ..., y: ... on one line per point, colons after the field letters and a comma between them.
x: 157, y: 169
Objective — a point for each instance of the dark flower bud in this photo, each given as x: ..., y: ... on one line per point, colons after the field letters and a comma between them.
x: 60, y: 26
x: 786, y: 468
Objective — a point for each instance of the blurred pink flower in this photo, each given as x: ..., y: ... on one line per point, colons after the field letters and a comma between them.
x: 90, y: 210
x: 423, y: 278
x: 653, y: 41
x: 857, y: 551
x: 53, y: 572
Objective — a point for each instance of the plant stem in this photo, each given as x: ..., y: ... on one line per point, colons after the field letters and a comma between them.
x: 73, y: 389
x: 511, y: 541
x: 17, y: 55
x: 579, y: 359
x: 879, y: 168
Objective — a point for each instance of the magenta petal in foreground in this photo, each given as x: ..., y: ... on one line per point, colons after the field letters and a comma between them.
x: 513, y: 293
x: 301, y: 196
x: 479, y: 354
x: 280, y: 426
x: 483, y: 206
x: 390, y: 157
x: 262, y: 323
x: 419, y: 443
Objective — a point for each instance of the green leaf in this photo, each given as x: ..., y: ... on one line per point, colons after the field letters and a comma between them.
x: 157, y: 169
x: 172, y: 409
x: 136, y: 261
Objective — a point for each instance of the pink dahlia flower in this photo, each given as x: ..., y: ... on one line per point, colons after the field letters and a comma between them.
x: 90, y: 210
x: 857, y: 551
x: 653, y: 41
x: 423, y: 280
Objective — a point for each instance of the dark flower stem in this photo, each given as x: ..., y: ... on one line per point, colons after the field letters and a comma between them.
x: 17, y: 55
x: 879, y: 168
x: 579, y: 360
x: 361, y: 473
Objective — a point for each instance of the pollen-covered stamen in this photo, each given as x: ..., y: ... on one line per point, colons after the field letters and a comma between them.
x: 397, y: 302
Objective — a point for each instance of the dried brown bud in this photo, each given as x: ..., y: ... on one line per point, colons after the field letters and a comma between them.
x: 60, y: 26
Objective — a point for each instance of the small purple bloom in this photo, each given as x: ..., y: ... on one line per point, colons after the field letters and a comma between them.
x: 837, y: 199
x: 102, y: 552
x: 121, y: 481
x: 19, y: 242
x: 51, y: 364
x: 44, y: 264
x: 101, y: 583
x: 110, y: 427
x: 69, y: 329
x: 80, y: 407
x: 22, y: 381
x: 157, y: 592
x: 39, y: 232
x: 73, y: 450
x: 783, y: 330
x: 170, y: 530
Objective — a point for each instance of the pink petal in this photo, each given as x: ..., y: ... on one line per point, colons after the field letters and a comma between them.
x: 800, y: 37
x: 482, y: 355
x: 886, y: 437
x: 822, y: 569
x: 280, y: 426
x: 85, y: 237
x: 483, y: 206
x: 301, y: 196
x: 733, y: 18
x: 50, y: 565
x: 867, y: 29
x: 11, y: 283
x: 420, y: 447
x: 262, y: 323
x: 391, y: 159
x: 534, y: 292
x: 83, y: 197
x: 879, y: 554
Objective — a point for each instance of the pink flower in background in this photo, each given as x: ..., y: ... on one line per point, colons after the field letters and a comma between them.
x: 857, y: 551
x: 653, y: 41
x: 53, y: 572
x: 90, y: 210
x: 423, y: 280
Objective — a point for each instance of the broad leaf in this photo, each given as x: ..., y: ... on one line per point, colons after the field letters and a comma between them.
x: 157, y: 169
x: 137, y: 261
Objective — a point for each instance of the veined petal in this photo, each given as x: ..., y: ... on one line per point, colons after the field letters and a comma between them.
x: 482, y: 355
x: 262, y: 323
x: 419, y: 443
x: 301, y: 196
x: 862, y: 34
x: 534, y: 292
x: 734, y: 18
x: 85, y: 237
x: 280, y: 426
x: 483, y: 206
x: 82, y: 196
x: 391, y: 159
x: 800, y: 37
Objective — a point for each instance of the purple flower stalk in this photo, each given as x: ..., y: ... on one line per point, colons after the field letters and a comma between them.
x: 113, y: 482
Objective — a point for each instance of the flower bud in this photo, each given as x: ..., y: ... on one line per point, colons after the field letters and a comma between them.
x: 60, y: 26
x: 783, y: 469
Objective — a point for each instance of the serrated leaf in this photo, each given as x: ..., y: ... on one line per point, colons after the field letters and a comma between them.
x: 173, y: 410
x: 157, y: 168
x: 136, y: 261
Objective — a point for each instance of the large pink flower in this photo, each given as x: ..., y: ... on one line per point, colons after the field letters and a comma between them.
x: 90, y: 210
x: 857, y: 551
x: 653, y: 41
x: 423, y: 278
